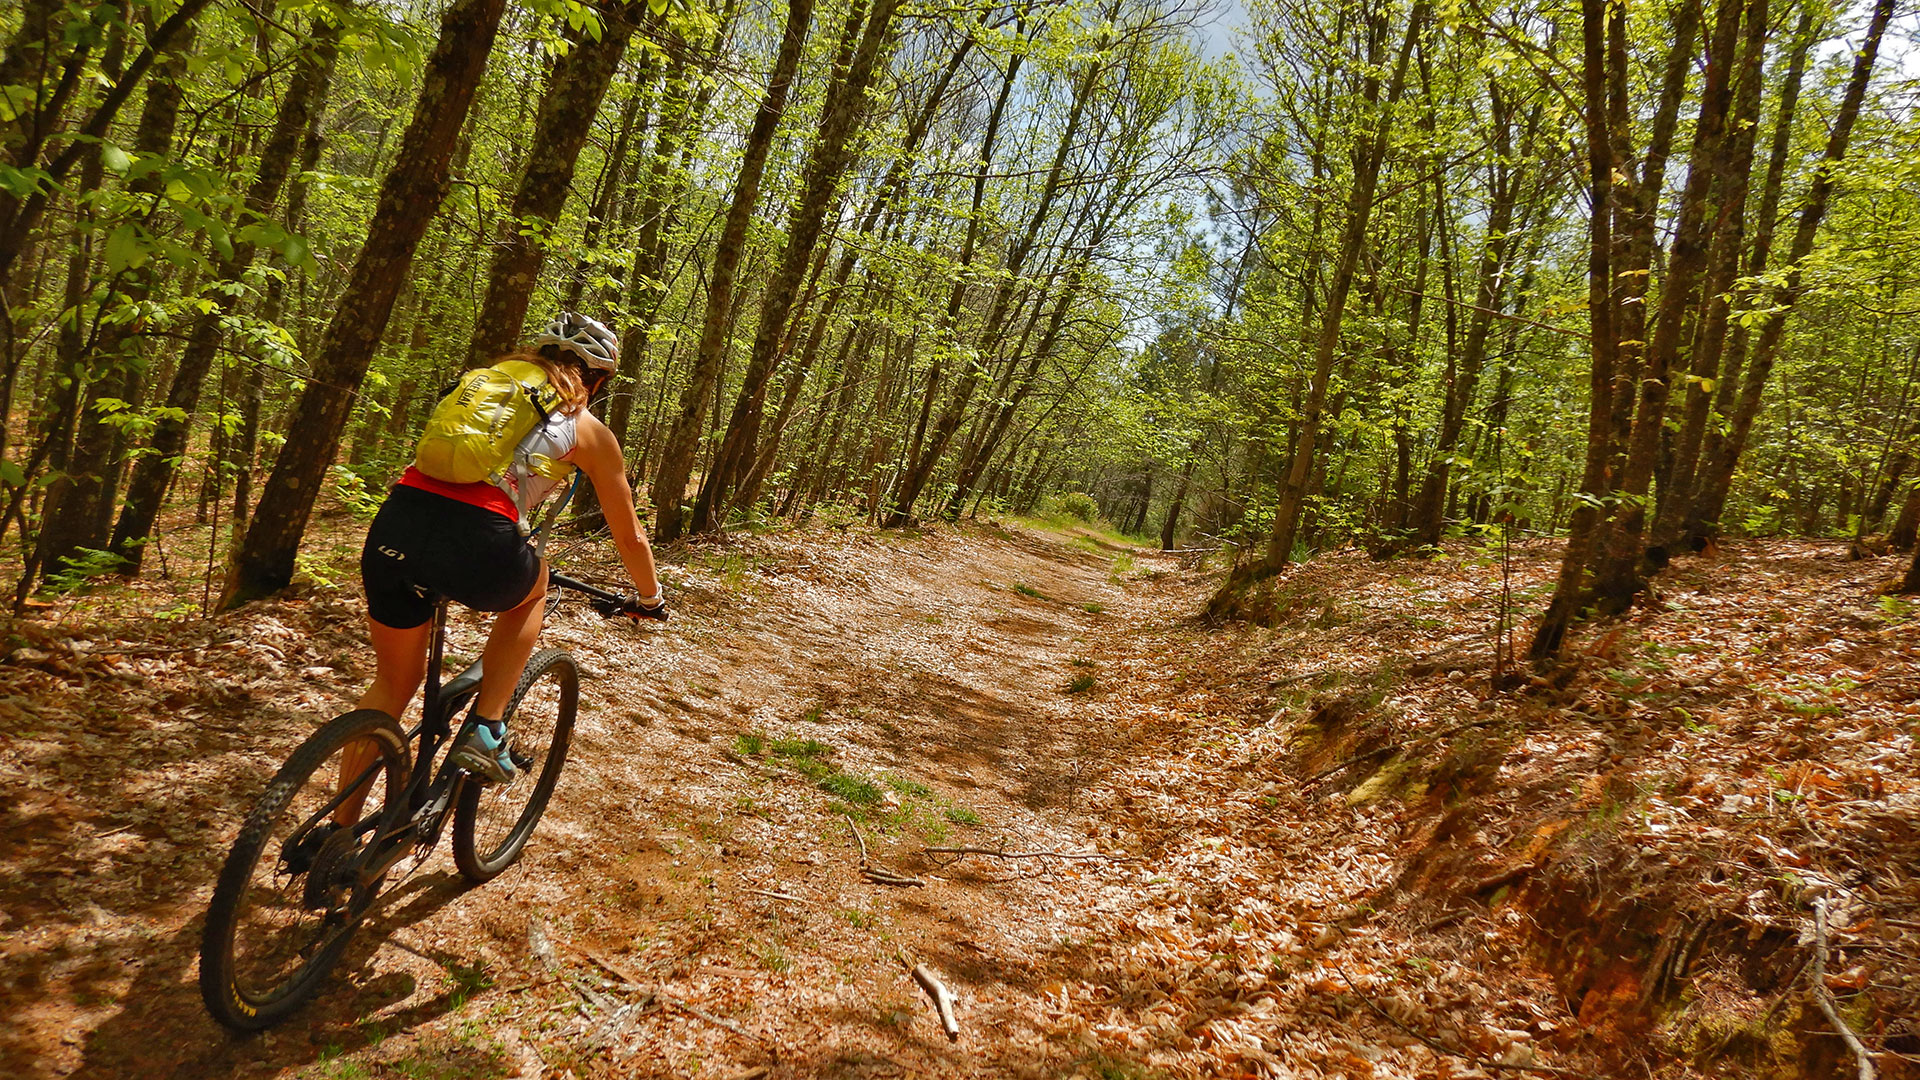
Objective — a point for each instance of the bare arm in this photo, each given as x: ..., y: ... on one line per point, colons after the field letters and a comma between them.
x: 599, y: 457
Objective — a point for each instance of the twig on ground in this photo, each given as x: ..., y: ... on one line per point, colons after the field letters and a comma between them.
x: 888, y: 877
x: 1435, y: 1044
x: 633, y: 984
x: 165, y: 650
x: 876, y: 874
x: 857, y: 838
x: 780, y: 895
x: 942, y: 1000
x: 997, y: 854
x: 1824, y: 997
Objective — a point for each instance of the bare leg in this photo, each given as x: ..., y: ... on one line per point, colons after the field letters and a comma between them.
x: 508, y: 646
x: 400, y: 658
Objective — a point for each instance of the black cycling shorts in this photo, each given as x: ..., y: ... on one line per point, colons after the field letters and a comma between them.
x: 422, y: 546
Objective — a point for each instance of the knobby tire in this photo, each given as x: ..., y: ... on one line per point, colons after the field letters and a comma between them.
x: 539, y: 727
x: 228, y: 991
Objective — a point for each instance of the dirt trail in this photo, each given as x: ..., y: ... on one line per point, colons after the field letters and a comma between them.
x: 699, y: 844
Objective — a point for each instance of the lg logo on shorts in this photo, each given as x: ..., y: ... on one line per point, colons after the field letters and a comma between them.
x: 392, y: 554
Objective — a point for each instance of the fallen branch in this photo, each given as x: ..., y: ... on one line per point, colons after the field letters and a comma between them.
x: 1824, y: 997
x: 997, y: 854
x: 856, y: 838
x: 888, y: 877
x: 780, y: 895
x: 632, y: 984
x: 942, y: 1000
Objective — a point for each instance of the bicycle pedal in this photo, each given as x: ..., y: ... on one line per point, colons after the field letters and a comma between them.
x: 521, y: 760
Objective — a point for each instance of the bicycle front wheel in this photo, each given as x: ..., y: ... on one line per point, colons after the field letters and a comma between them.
x: 288, y: 898
x: 491, y: 822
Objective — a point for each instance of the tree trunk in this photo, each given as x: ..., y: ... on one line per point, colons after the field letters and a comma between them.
x: 1723, y: 265
x: 1495, y: 258
x: 1582, y: 525
x: 408, y: 200
x: 1371, y: 154
x: 574, y: 90
x: 77, y: 517
x: 154, y: 473
x: 683, y: 441
x: 1717, y: 477
x: 1618, y: 576
x: 923, y: 454
x: 833, y: 153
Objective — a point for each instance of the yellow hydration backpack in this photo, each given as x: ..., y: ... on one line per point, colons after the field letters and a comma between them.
x: 475, y: 429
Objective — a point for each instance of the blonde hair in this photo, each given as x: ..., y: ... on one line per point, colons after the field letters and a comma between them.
x: 563, y: 374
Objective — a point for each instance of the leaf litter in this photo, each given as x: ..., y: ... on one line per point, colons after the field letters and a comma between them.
x: 1334, y: 852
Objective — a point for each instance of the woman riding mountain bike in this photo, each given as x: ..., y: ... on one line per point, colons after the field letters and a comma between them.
x: 467, y: 542
x: 361, y: 795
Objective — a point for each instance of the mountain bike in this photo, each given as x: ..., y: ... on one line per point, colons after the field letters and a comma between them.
x: 299, y: 880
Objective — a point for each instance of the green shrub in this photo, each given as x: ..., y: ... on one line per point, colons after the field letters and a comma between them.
x: 1074, y: 504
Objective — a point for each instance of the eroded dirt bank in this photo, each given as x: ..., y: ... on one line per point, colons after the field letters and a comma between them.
x: 1322, y: 850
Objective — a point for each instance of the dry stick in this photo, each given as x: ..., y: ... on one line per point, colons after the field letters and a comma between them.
x: 1824, y: 997
x: 857, y: 839
x: 780, y: 896
x: 888, y: 877
x: 632, y: 982
x: 1027, y: 854
x: 873, y: 873
x: 1435, y: 1044
x: 942, y: 1000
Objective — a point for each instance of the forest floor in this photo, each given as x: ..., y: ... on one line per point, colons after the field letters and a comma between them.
x: 1321, y: 847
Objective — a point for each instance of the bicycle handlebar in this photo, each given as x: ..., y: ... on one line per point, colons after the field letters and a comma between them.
x: 608, y: 604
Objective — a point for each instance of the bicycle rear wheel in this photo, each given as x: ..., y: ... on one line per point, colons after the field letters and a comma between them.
x: 491, y: 822
x: 287, y: 901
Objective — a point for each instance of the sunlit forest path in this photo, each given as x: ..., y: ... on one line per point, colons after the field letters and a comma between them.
x: 921, y: 688
x: 1330, y: 838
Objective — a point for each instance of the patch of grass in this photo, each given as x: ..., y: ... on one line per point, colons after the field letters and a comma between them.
x: 1081, y: 683
x: 1081, y: 661
x: 908, y: 787
x: 467, y: 981
x: 335, y: 1067
x: 857, y: 790
x: 857, y: 918
x: 932, y: 620
x: 1025, y: 589
x: 1122, y: 566
x: 961, y: 815
x: 752, y: 744
x: 800, y: 748
x: 804, y: 756
x: 815, y: 714
x: 773, y: 957
x: 1092, y: 609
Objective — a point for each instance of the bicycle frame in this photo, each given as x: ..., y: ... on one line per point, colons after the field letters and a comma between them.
x: 429, y: 795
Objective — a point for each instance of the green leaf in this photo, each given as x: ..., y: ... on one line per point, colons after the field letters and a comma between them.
x: 10, y: 474
x: 299, y: 253
x: 125, y: 249
x: 116, y: 160
x: 21, y: 183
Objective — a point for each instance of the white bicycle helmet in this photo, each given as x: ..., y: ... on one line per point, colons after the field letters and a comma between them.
x: 589, y: 339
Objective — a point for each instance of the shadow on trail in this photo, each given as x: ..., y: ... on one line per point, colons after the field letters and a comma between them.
x: 164, y: 1030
